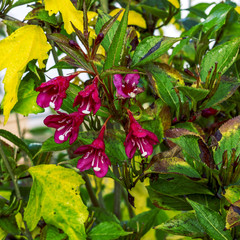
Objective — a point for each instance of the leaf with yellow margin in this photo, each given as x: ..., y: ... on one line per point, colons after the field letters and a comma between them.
x: 22, y: 46
x: 69, y: 14
x: 134, y: 18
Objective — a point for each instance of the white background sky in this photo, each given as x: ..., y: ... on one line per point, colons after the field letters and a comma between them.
x: 21, y: 11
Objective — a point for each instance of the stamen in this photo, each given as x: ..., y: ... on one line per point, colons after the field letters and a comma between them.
x: 60, y: 128
x: 52, y: 105
x: 140, y: 143
x: 86, y: 111
x: 61, y: 137
x: 132, y: 95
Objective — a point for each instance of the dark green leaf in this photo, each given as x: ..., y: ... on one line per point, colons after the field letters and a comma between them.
x: 175, y: 184
x: 212, y: 222
x: 159, y: 13
x: 107, y: 231
x: 103, y: 215
x: 224, y: 54
x: 184, y: 224
x: 17, y: 141
x: 151, y: 48
x: 115, y: 50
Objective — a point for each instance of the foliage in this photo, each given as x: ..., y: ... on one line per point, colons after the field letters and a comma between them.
x: 146, y: 146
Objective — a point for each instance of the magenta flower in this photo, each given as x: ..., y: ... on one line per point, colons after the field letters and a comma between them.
x: 139, y: 138
x: 67, y: 126
x: 88, y: 99
x: 127, y: 86
x: 94, y: 156
x: 53, y: 92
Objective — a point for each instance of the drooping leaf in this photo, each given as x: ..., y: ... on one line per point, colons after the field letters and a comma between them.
x: 115, y: 49
x: 225, y: 142
x: 134, y: 18
x: 107, y: 231
x: 69, y: 14
x: 184, y: 224
x: 17, y: 141
x: 63, y: 209
x: 151, y: 48
x: 27, y: 97
x: 173, y: 165
x: 224, y: 54
x: 212, y: 222
x: 233, y: 215
x: 33, y: 44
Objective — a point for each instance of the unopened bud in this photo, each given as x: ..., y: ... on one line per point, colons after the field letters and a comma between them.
x: 99, y: 38
x: 73, y: 44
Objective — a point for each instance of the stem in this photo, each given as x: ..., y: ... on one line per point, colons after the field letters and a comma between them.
x: 117, y: 194
x: 17, y: 191
x: 91, y: 193
x: 54, y: 53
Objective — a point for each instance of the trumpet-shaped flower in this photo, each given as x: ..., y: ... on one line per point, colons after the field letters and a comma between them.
x: 127, y: 86
x: 67, y: 126
x: 139, y: 138
x: 94, y: 156
x: 88, y: 99
x: 53, y: 92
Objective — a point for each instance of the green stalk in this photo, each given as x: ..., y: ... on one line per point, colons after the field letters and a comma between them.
x: 17, y: 191
x: 117, y: 194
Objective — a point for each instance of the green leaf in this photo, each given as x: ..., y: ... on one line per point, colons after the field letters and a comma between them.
x: 27, y: 97
x: 211, y: 221
x: 117, y: 70
x: 175, y: 184
x: 224, y: 54
x: 151, y: 48
x: 12, y: 25
x: 163, y: 87
x: 107, y: 231
x: 184, y: 224
x: 143, y: 222
x: 115, y: 49
x: 61, y: 65
x: 103, y: 215
x: 217, y: 17
x: 228, y: 137
x: 63, y: 209
x: 17, y: 141
x: 22, y: 2
x: 41, y: 14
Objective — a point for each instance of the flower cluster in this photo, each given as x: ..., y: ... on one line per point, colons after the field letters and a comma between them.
x: 53, y: 92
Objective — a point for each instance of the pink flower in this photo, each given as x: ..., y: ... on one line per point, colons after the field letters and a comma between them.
x: 67, y: 126
x: 127, y: 86
x: 139, y: 138
x: 53, y: 92
x: 88, y: 99
x: 94, y: 156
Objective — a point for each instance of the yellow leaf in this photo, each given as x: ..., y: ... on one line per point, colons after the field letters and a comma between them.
x: 22, y: 46
x: 69, y: 14
x: 237, y: 8
x: 175, y: 3
x: 134, y: 18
